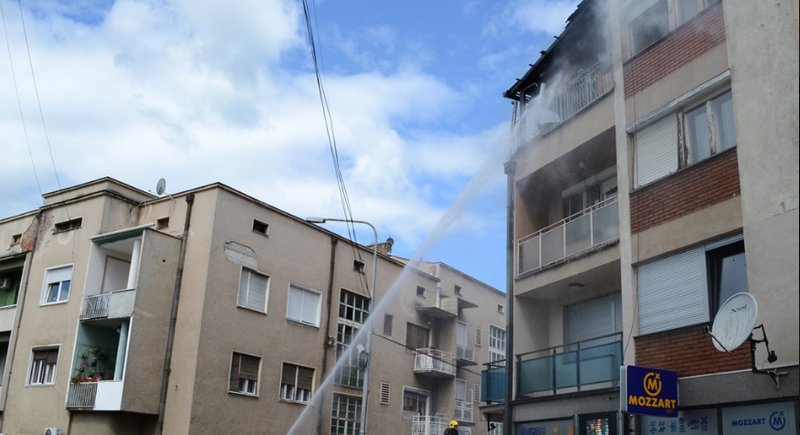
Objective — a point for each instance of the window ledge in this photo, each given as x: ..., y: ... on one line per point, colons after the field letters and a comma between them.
x: 251, y: 309
x: 53, y: 303
x: 301, y: 323
x: 239, y: 393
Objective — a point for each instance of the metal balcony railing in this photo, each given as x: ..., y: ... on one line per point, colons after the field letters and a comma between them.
x: 429, y: 424
x: 570, y: 366
x: 548, y: 110
x: 429, y: 360
x: 95, y: 306
x: 579, y: 233
x: 82, y: 396
x: 463, y: 411
x: 465, y: 353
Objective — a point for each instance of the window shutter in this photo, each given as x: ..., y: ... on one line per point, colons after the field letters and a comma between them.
x: 673, y: 292
x: 594, y: 318
x: 656, y: 151
x: 233, y: 383
x: 253, y: 290
x: 59, y: 274
x: 305, y: 378
x: 288, y: 374
x: 249, y: 368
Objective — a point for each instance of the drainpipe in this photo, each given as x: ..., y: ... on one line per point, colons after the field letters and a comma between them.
x: 510, y: 169
x: 173, y: 318
x: 21, y: 296
x: 325, y: 347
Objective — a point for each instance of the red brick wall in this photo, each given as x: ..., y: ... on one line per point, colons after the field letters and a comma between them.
x: 689, y: 351
x: 699, y: 186
x: 687, y: 43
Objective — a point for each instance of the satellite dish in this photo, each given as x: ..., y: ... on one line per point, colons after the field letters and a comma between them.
x: 734, y: 322
x: 160, y: 186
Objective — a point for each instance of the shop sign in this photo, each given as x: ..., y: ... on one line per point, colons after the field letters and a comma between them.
x: 648, y: 391
x: 766, y: 419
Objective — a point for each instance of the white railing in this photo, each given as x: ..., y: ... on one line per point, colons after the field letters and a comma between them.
x: 95, y: 306
x: 82, y: 395
x: 547, y: 111
x: 434, y: 360
x: 465, y: 353
x: 463, y: 412
x: 429, y: 424
x: 579, y: 233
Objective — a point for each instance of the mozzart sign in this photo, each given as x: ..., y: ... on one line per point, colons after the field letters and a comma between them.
x: 648, y: 391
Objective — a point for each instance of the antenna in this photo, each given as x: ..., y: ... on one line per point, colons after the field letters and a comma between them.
x: 161, y: 186
x: 734, y: 322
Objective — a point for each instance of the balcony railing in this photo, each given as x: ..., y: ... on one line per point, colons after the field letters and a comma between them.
x: 95, y: 306
x: 429, y: 424
x: 82, y: 396
x: 570, y: 366
x: 493, y: 382
x: 118, y: 303
x: 579, y: 233
x: 548, y: 110
x: 429, y: 360
x: 463, y: 411
x: 465, y: 353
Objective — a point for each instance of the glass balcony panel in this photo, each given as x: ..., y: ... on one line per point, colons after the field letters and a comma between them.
x: 566, y: 370
x: 536, y: 375
x: 493, y: 384
x: 529, y: 255
x: 578, y: 234
x: 553, y: 245
x: 601, y: 363
x: 606, y: 223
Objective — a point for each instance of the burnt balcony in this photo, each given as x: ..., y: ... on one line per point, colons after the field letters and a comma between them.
x: 429, y: 361
x: 580, y: 233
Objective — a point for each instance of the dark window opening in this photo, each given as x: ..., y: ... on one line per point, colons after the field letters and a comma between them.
x: 72, y: 224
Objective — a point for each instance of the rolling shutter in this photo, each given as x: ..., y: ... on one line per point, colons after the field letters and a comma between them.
x: 656, y: 151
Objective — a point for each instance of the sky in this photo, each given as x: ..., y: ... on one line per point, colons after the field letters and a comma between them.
x: 203, y: 91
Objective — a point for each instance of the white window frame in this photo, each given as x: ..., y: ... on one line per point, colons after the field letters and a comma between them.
x: 40, y: 372
x: 61, y: 276
x: 293, y: 392
x: 249, y: 300
x: 246, y: 386
x: 496, y: 353
x: 307, y: 299
x: 342, y: 416
x: 420, y: 394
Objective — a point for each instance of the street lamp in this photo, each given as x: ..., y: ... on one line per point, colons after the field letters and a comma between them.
x: 368, y: 348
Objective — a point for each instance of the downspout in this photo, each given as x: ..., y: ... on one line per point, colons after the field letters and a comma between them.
x: 325, y: 346
x: 173, y: 318
x: 510, y: 168
x: 21, y: 305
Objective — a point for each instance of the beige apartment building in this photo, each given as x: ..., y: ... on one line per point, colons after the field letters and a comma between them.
x: 211, y: 312
x: 654, y: 174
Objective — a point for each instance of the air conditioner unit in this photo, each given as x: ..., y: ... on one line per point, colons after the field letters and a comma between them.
x: 52, y: 431
x: 5, y: 282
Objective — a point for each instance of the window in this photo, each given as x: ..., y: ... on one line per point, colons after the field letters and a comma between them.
x: 3, y: 356
x: 416, y: 336
x: 16, y: 239
x: 345, y: 415
x: 581, y: 196
x: 420, y: 291
x: 57, y: 283
x: 415, y: 401
x: 501, y: 309
x: 43, y: 366
x: 666, y: 145
x: 353, y: 307
x: 385, y: 393
x: 162, y: 223
x: 253, y: 288
x: 687, y: 288
x: 659, y: 18
x: 9, y: 286
x: 599, y: 317
x: 387, y: 324
x: 296, y: 383
x: 260, y: 227
x: 457, y: 290
x: 303, y: 305
x: 72, y: 224
x: 244, y: 374
x: 497, y: 344
x: 358, y: 266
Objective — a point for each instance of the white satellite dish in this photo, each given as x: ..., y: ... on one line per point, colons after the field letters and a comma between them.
x: 161, y: 186
x: 734, y: 322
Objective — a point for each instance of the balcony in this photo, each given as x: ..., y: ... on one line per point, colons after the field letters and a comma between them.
x: 434, y: 362
x: 112, y: 305
x: 570, y: 367
x: 552, y: 108
x: 465, y: 355
x: 493, y: 382
x: 95, y: 396
x: 429, y: 424
x: 578, y: 234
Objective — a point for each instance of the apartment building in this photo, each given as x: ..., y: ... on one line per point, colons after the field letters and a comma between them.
x: 654, y: 166
x: 211, y: 312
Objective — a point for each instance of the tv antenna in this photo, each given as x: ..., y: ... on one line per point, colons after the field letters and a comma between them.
x: 734, y: 323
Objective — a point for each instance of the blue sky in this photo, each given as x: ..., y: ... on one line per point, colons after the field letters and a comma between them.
x: 202, y: 91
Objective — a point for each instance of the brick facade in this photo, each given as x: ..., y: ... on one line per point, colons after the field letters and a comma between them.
x: 685, y: 44
x: 690, y: 352
x: 702, y: 185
